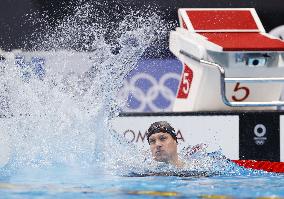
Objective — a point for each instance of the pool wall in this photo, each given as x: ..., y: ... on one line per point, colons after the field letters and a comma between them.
x: 250, y: 135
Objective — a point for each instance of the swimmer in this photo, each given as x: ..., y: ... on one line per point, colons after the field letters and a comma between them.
x: 162, y: 139
x: 166, y: 161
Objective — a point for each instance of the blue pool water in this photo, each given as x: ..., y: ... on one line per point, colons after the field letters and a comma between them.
x: 93, y: 183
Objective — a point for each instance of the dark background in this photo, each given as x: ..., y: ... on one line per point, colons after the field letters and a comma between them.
x: 270, y: 149
x: 15, y: 30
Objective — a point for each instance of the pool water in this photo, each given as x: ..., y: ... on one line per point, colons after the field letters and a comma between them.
x: 95, y: 183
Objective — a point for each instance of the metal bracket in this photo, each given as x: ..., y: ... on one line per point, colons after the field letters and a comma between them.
x: 224, y: 80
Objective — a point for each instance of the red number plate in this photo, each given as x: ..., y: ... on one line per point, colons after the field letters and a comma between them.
x: 186, y: 80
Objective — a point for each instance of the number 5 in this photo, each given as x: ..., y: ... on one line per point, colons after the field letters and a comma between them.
x: 185, y: 82
x: 238, y: 88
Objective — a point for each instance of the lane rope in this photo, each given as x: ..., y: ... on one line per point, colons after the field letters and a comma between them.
x: 277, y: 167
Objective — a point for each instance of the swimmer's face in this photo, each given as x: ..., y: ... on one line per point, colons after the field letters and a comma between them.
x: 163, y: 147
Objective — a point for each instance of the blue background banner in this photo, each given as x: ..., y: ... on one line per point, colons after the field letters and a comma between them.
x: 152, y: 86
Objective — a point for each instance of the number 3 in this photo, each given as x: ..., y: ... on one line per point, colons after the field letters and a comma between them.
x: 238, y: 88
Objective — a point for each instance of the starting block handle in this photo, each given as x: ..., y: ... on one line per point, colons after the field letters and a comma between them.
x: 224, y: 80
x: 255, y: 80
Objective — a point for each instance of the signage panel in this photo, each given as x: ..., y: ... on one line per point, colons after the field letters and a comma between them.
x: 218, y: 132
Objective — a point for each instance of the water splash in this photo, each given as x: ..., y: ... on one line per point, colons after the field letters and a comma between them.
x: 200, y: 163
x: 64, y: 118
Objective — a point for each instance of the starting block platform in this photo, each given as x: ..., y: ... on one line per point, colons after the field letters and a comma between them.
x: 229, y: 62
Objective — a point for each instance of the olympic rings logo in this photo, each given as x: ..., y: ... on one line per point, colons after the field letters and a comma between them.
x: 159, y: 89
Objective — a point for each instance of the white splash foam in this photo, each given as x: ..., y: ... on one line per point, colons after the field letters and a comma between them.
x: 63, y: 118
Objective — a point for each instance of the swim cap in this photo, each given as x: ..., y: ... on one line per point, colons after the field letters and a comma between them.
x: 161, y: 126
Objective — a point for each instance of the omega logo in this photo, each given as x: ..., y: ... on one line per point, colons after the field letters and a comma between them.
x: 132, y: 136
x: 259, y: 132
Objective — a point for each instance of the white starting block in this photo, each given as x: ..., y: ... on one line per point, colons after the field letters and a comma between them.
x: 229, y: 62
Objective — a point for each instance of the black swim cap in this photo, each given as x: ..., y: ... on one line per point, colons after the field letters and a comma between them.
x: 161, y: 126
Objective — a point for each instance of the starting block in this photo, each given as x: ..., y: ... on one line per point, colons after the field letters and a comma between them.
x: 229, y: 62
